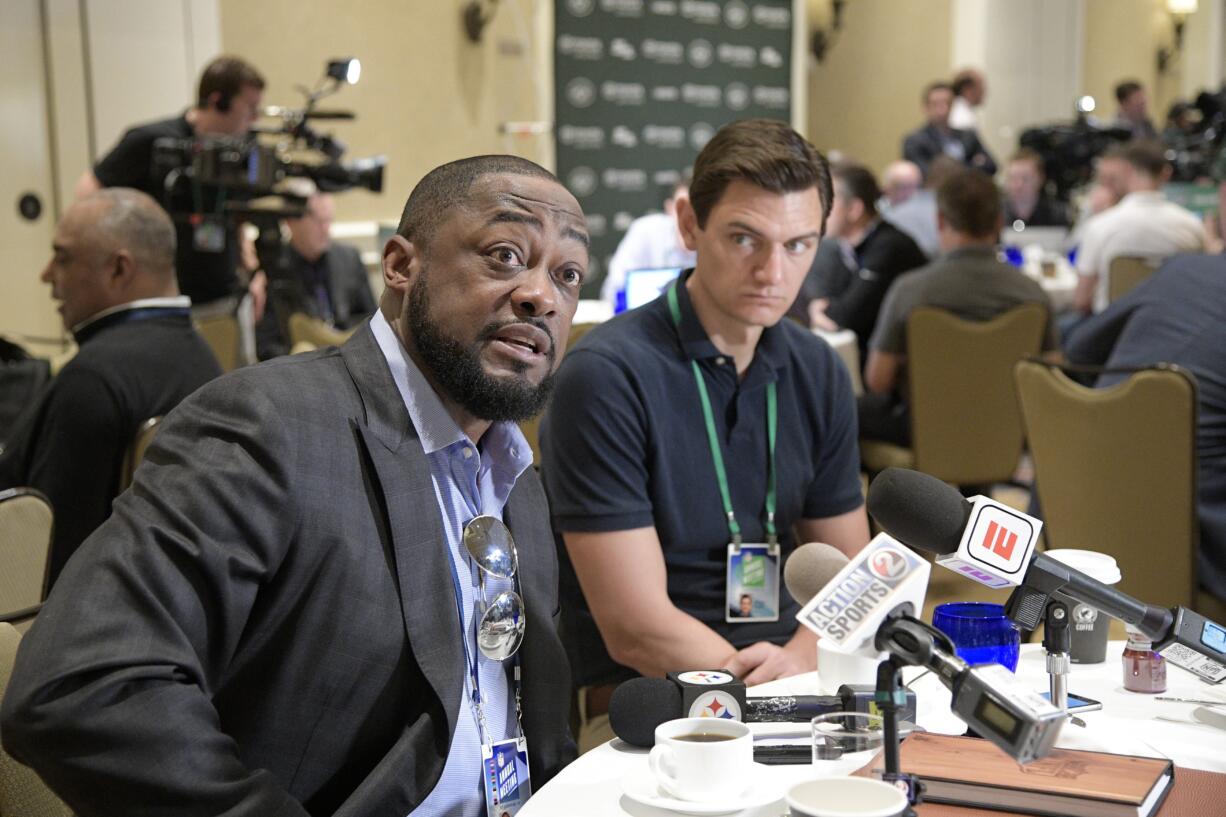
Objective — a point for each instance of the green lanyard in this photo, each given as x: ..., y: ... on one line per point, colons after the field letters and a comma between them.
x: 772, y: 424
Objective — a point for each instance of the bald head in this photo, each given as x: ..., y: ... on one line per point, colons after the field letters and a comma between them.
x: 110, y: 248
x: 451, y: 184
x: 900, y: 181
x: 119, y: 218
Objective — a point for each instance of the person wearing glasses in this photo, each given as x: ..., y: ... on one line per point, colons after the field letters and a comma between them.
x: 692, y: 443
x: 325, y: 279
x: 332, y: 586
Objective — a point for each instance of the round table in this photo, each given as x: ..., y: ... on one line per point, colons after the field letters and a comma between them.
x: 1193, y: 736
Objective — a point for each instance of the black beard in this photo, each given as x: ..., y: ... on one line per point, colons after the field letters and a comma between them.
x: 457, y: 368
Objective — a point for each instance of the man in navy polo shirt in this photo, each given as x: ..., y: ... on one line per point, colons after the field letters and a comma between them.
x: 692, y: 443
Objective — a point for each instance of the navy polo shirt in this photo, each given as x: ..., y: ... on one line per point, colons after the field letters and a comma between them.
x: 624, y: 446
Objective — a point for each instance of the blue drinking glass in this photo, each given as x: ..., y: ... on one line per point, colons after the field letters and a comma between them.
x: 981, y: 632
x: 1013, y: 255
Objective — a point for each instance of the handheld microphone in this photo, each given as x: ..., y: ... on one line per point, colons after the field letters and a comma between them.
x: 925, y: 513
x: 848, y: 607
x: 639, y: 705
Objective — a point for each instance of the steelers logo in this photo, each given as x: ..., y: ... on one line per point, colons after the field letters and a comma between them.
x: 580, y: 8
x: 716, y: 704
x: 708, y: 677
x: 736, y: 15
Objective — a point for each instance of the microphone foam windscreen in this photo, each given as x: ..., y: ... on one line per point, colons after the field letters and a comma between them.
x: 810, y: 568
x: 918, y: 510
x: 639, y: 705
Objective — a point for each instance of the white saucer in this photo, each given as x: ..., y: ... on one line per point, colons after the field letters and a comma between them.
x: 640, y: 786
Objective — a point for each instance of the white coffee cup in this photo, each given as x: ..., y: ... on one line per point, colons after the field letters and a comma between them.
x: 716, y: 766
x: 846, y: 797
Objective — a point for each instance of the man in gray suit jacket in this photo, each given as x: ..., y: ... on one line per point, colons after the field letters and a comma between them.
x: 279, y: 618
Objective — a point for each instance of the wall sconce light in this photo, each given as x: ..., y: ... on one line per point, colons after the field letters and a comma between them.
x: 822, y: 40
x: 1179, y: 11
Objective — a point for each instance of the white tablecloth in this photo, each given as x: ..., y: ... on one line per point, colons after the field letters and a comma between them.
x: 1192, y: 736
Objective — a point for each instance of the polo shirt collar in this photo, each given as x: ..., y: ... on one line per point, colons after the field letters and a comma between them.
x: 696, y: 344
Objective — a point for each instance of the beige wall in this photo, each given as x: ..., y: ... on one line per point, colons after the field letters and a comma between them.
x: 1122, y: 38
x: 427, y: 95
x: 866, y: 95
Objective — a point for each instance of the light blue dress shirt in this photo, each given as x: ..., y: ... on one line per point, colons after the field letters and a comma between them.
x: 468, y: 481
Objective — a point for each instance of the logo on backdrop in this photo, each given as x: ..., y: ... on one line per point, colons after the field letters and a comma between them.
x: 736, y: 15
x: 580, y: 8
x: 581, y: 92
x: 701, y: 53
x: 582, y: 181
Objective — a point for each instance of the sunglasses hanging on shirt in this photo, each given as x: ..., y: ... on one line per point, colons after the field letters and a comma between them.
x: 502, y: 624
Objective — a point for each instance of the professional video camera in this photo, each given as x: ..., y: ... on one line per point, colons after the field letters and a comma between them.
x: 1069, y: 150
x: 256, y: 165
x: 258, y: 178
x: 1192, y: 148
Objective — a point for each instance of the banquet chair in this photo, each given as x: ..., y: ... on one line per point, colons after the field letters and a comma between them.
x: 965, y: 425
x: 304, y: 328
x: 1125, y: 272
x: 1115, y: 471
x: 26, y: 523
x: 221, y: 333
x: 136, y: 452
x: 532, y: 428
x: 22, y: 792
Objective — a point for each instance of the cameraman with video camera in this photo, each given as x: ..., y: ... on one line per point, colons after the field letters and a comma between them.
x: 208, y: 255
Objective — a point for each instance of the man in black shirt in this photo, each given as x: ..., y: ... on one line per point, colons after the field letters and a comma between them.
x: 207, y: 256
x: 113, y: 273
x: 323, y: 279
x: 647, y: 404
x: 872, y: 253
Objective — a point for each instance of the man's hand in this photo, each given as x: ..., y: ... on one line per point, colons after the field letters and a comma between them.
x: 764, y: 661
x: 258, y: 287
x: 818, y: 319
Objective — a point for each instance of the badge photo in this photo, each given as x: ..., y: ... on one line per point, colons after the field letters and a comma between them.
x: 752, y: 582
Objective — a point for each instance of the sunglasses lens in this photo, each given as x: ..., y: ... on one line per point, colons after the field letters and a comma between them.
x: 502, y: 626
x: 489, y: 543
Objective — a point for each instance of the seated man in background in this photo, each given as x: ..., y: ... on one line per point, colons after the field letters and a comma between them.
x: 325, y: 280
x: 900, y: 181
x: 967, y: 280
x: 917, y: 215
x: 1175, y: 316
x: 112, y: 270
x: 1026, y: 202
x: 651, y: 242
x: 1143, y: 224
x: 938, y: 138
x: 641, y: 501
x: 282, y: 617
x: 875, y: 252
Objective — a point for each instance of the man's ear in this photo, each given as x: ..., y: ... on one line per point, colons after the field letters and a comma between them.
x: 687, y: 223
x: 121, y: 271
x: 401, y: 264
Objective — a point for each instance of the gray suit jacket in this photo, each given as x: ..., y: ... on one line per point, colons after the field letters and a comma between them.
x: 266, y: 625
